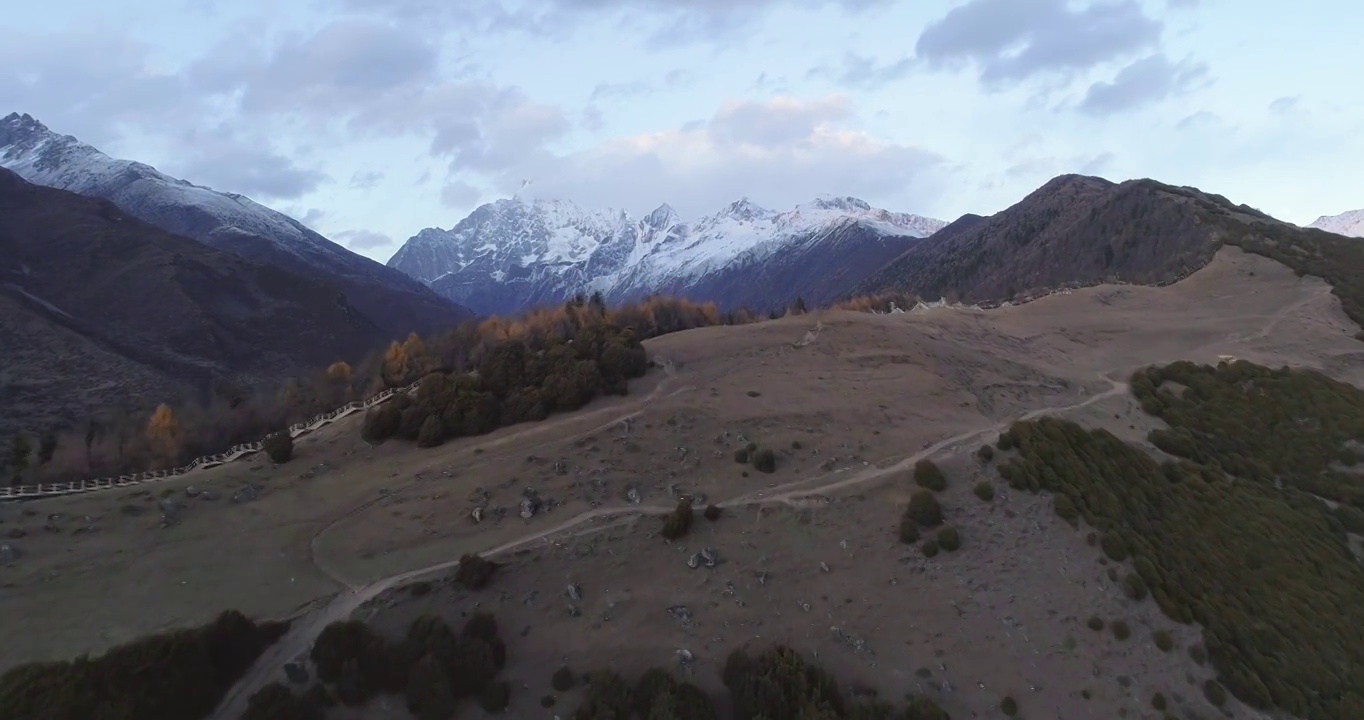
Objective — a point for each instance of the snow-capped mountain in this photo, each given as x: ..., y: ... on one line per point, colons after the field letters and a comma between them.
x: 1347, y: 223
x: 225, y: 221
x: 512, y: 254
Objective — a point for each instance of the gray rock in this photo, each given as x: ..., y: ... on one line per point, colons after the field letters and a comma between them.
x: 191, y: 491
x: 9, y: 553
x: 575, y: 593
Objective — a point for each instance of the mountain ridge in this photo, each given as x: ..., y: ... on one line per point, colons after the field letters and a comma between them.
x: 512, y: 254
x: 1349, y: 223
x: 226, y: 221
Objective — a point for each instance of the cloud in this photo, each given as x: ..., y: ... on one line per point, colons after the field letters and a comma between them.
x: 246, y: 164
x: 459, y: 195
x: 1200, y: 120
x: 1013, y: 40
x: 366, y: 180
x: 863, y: 71
x: 1145, y: 81
x: 671, y: 80
x: 653, y: 21
x: 362, y: 239
x: 779, y: 152
x: 1284, y: 105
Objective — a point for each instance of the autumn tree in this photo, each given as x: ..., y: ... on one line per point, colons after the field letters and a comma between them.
x: 165, y: 434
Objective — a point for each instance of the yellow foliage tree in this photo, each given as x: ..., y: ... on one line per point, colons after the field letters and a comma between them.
x: 339, y: 372
x: 165, y: 434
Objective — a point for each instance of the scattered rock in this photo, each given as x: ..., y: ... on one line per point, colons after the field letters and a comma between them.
x: 15, y: 533
x: 191, y: 491
x: 680, y: 613
x: 574, y: 610
x: 477, y: 514
x: 632, y: 494
x: 209, y: 496
x: 9, y: 553
x: 685, y: 657
x: 575, y: 593
x: 246, y: 494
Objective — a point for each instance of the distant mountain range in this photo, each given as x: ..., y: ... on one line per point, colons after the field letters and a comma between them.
x: 1350, y: 223
x: 513, y: 254
x: 391, y: 301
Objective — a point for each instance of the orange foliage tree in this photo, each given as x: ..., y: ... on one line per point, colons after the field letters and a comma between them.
x: 165, y: 435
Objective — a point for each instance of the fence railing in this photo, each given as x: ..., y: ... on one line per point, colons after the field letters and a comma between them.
x: 23, y: 492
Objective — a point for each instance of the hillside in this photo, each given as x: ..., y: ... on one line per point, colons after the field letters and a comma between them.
x: 225, y: 221
x: 102, y: 310
x: 513, y: 254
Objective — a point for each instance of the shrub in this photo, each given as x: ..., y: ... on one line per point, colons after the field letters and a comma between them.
x: 493, y: 698
x: 1198, y: 654
x: 985, y: 453
x: 712, y: 512
x: 678, y: 522
x: 181, y: 673
x: 1120, y: 629
x: 1095, y: 623
x: 279, y: 447
x: 909, y: 530
x: 765, y: 461
x: 474, y: 571
x: 924, y: 509
x: 608, y: 697
x: 1134, y: 587
x: 949, y: 539
x: 563, y: 679
x: 277, y: 702
x: 928, y: 475
x: 1214, y: 692
x: 741, y: 456
x: 1008, y: 706
x: 1163, y: 640
x: 985, y: 491
x: 930, y: 548
x: 381, y: 422
x: 1158, y: 702
x: 1005, y: 441
x: 432, y: 432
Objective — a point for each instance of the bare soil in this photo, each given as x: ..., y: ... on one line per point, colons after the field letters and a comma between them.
x: 345, y: 525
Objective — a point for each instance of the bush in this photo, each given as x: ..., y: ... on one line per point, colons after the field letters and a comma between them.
x: 949, y: 539
x: 924, y: 509
x: 277, y: 702
x: 1120, y: 629
x: 279, y: 447
x: 493, y: 698
x: 985, y: 453
x: 381, y: 422
x: 1008, y: 706
x: 909, y: 530
x: 928, y: 475
x: 474, y: 571
x: 1163, y: 640
x: 1095, y: 623
x: 563, y: 679
x: 1158, y: 702
x: 678, y: 522
x: 182, y: 673
x: 1215, y: 693
x: 985, y: 491
x: 432, y: 432
x: 741, y: 456
x: 930, y: 548
x: 608, y: 698
x: 712, y: 512
x: 765, y: 461
x: 1005, y: 442
x: 1134, y: 587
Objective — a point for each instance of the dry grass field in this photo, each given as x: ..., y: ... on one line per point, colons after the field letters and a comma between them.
x: 846, y: 400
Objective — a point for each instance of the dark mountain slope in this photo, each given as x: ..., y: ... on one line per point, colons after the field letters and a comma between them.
x: 233, y: 223
x: 100, y: 308
x: 1072, y: 230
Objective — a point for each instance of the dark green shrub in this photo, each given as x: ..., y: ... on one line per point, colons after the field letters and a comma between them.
x: 432, y: 432
x: 985, y: 453
x: 909, y: 530
x: 928, y: 475
x: 1065, y: 509
x: 1164, y: 641
x: 547, y: 701
x: 1005, y: 441
x: 1215, y: 693
x: 765, y: 461
x: 1095, y: 623
x: 741, y: 456
x: 429, y: 693
x: 563, y: 679
x: 678, y: 522
x: 1198, y: 654
x: 381, y: 422
x: 985, y: 491
x: 924, y: 509
x: 1120, y: 629
x: 1008, y: 706
x: 779, y: 684
x: 1134, y: 587
x: 474, y: 571
x: 494, y: 696
x: 712, y: 512
x: 420, y: 588
x: 279, y: 447
x: 1114, y: 547
x: 277, y: 702
x: 930, y: 548
x: 608, y: 697
x: 1158, y: 702
x: 949, y: 539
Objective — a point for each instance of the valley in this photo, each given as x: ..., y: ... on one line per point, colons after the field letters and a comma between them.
x: 847, y: 400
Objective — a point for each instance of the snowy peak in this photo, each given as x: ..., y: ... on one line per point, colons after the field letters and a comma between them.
x: 1350, y: 223
x: 512, y: 254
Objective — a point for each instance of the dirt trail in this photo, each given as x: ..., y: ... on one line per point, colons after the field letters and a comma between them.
x: 300, y: 637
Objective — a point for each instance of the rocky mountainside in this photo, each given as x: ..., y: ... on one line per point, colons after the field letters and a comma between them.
x: 1073, y: 230
x: 513, y: 254
x: 226, y: 221
x: 1350, y: 224
x: 100, y: 310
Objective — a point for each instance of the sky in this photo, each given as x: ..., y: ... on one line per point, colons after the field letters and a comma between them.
x: 372, y: 119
